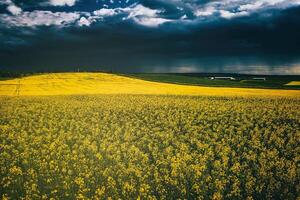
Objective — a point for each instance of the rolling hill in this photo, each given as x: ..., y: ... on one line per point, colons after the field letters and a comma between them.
x: 104, y: 83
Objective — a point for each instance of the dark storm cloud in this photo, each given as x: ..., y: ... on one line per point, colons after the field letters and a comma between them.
x: 160, y: 36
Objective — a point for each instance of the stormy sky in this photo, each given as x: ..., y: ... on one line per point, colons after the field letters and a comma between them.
x: 240, y: 36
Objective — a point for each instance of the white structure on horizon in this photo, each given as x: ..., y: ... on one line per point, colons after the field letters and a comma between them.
x: 260, y: 79
x: 222, y: 78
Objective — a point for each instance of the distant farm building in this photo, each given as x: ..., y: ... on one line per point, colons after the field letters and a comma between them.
x: 260, y: 79
x: 222, y: 78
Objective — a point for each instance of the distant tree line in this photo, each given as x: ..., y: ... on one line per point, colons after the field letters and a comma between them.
x: 6, y: 74
x: 19, y: 74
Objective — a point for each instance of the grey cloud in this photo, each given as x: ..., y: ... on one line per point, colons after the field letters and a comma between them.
x: 62, y: 2
x: 145, y: 13
x: 154, y: 36
x: 39, y: 18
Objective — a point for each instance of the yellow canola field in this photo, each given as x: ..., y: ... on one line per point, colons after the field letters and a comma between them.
x: 149, y: 147
x: 294, y: 83
x: 102, y: 83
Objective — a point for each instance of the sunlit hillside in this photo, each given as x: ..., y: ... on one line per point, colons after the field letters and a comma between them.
x: 102, y: 83
x: 294, y: 83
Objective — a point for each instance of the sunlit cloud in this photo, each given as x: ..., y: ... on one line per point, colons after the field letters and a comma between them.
x: 40, y: 18
x: 62, y: 2
x: 139, y: 13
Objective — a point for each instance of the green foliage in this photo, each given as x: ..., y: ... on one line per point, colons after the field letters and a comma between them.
x: 149, y: 147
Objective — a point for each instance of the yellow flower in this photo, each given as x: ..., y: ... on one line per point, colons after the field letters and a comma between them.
x: 16, y: 170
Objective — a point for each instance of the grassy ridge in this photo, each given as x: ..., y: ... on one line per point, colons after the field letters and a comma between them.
x: 243, y: 81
